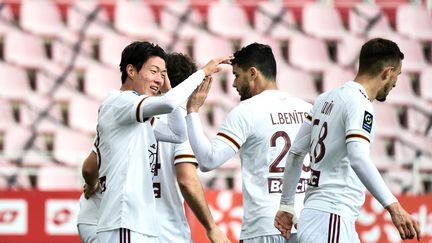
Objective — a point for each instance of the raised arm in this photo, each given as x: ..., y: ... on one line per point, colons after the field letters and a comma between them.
x: 210, y: 154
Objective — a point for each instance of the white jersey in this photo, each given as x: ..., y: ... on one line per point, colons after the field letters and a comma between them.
x: 262, y: 129
x: 339, y: 116
x: 127, y: 149
x: 89, y: 208
x: 169, y: 200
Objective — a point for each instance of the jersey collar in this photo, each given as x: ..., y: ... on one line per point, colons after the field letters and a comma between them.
x: 360, y: 88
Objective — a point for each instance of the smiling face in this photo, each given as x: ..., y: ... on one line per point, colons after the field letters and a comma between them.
x: 389, y: 83
x: 242, y: 82
x: 151, y: 77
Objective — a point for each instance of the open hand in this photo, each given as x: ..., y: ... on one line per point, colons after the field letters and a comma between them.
x: 197, y: 98
x: 408, y: 227
x: 212, y: 67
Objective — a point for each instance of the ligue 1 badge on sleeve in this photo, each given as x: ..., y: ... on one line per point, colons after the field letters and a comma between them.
x: 367, y: 121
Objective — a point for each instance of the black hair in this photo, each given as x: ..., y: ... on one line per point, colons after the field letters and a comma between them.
x: 376, y: 53
x: 179, y: 67
x: 259, y: 56
x: 137, y: 53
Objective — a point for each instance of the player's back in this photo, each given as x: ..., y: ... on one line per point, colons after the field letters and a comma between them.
x: 336, y: 120
x: 169, y: 201
x: 269, y: 123
x: 124, y: 175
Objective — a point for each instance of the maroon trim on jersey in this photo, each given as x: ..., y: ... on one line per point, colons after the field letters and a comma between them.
x: 185, y: 156
x: 330, y: 228
x: 125, y: 235
x: 334, y: 228
x: 309, y: 117
x: 229, y: 139
x: 152, y: 120
x: 357, y: 136
x: 96, y: 144
x: 138, y: 109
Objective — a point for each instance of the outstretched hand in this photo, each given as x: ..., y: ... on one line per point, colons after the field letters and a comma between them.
x: 408, y: 227
x: 284, y: 223
x: 197, y: 98
x: 212, y: 67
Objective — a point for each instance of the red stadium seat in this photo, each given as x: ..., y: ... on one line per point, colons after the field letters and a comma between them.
x: 58, y: 178
x: 6, y: 114
x: 222, y: 14
x: 99, y: 80
x: 15, y: 84
x: 24, y: 50
x: 336, y: 76
x: 348, y: 50
x: 368, y: 20
x: 135, y: 19
x: 41, y: 18
x: 415, y: 22
x: 274, y: 20
x: 80, y: 11
x: 209, y: 46
x: 322, y: 21
x: 380, y: 156
x: 83, y: 114
x: 414, y: 60
x: 111, y: 47
x: 309, y: 54
x: 71, y: 147
x: 425, y: 84
x: 182, y: 19
x: 298, y: 83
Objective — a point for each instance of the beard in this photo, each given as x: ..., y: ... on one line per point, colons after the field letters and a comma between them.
x: 245, y: 94
x: 382, y: 95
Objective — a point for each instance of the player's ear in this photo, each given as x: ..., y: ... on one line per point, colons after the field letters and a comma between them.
x: 253, y: 72
x: 385, y: 74
x: 131, y: 71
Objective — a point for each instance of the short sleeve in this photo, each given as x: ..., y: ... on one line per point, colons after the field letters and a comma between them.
x: 359, y: 122
x: 236, y: 127
x: 127, y: 108
x: 308, y: 116
x: 183, y: 153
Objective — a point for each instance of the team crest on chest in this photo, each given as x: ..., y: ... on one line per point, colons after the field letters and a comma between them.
x: 367, y: 121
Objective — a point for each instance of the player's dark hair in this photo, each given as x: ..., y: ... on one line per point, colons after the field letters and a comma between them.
x: 137, y: 53
x: 179, y: 67
x: 259, y: 56
x: 376, y: 54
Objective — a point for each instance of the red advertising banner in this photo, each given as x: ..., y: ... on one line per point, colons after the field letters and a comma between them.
x: 39, y: 217
x: 45, y: 217
x: 373, y: 225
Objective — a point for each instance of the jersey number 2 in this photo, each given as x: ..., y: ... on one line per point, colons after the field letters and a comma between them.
x: 274, y: 166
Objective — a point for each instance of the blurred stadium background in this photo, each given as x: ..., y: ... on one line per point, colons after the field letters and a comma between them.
x: 58, y: 59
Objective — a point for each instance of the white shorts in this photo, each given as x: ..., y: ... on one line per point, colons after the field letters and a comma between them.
x: 87, y: 233
x: 315, y: 226
x: 125, y: 236
x: 271, y: 239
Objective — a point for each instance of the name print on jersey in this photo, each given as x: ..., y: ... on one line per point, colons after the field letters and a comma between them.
x: 288, y: 117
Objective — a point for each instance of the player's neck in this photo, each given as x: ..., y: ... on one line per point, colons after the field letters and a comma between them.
x: 263, y: 86
x: 371, y: 86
